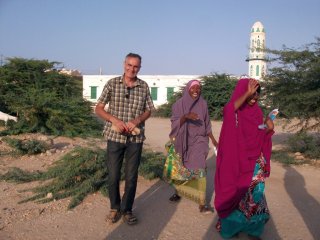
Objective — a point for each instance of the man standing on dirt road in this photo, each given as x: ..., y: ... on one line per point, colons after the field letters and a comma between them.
x: 129, y: 106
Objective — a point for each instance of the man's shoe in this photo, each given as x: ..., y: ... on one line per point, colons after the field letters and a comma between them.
x: 114, y: 216
x: 175, y: 198
x: 129, y: 218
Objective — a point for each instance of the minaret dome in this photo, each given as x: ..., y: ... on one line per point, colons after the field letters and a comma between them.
x: 257, y: 55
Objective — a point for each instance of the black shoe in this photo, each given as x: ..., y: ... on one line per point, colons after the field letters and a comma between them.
x: 175, y: 198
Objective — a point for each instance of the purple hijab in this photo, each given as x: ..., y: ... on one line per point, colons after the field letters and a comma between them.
x: 240, y: 145
x: 191, y: 139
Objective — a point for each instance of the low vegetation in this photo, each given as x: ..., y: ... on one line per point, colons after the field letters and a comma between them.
x: 77, y: 174
x: 301, y: 148
x: 26, y: 146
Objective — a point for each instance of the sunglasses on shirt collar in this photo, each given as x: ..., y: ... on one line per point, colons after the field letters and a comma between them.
x: 127, y: 95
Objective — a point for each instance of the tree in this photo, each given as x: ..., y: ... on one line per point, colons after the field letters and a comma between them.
x: 216, y: 90
x: 165, y: 109
x: 44, y: 100
x: 293, y: 85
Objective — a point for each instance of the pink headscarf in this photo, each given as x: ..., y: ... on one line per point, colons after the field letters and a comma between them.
x: 194, y: 82
x: 240, y: 145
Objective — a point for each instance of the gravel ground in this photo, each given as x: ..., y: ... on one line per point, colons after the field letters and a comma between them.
x: 292, y: 193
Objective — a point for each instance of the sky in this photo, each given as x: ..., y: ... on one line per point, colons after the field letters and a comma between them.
x: 185, y: 37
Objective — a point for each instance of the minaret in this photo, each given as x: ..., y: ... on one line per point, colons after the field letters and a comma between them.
x: 257, y: 56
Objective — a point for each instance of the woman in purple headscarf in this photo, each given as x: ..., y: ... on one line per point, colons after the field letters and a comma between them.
x: 191, y: 130
x: 243, y: 163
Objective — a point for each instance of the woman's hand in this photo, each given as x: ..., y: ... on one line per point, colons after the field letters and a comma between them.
x: 252, y: 86
x: 192, y: 116
x: 269, y: 124
x: 189, y: 116
x: 215, y: 143
x: 213, y: 140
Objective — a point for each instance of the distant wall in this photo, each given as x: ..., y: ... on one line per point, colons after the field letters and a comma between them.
x: 161, y: 84
x: 5, y: 117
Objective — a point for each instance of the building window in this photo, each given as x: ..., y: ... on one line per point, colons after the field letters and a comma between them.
x: 170, y: 91
x: 257, y: 71
x: 93, y: 92
x: 251, y: 71
x: 154, y: 93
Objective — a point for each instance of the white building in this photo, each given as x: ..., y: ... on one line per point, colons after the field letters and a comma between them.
x: 71, y: 72
x: 257, y: 55
x: 161, y: 87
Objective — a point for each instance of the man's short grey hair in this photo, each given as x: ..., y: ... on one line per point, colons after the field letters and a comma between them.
x: 134, y: 55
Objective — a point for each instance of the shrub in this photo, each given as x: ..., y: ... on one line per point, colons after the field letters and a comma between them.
x: 305, y: 143
x: 47, y: 102
x: 283, y: 157
x: 27, y: 146
x: 77, y: 174
x: 216, y: 90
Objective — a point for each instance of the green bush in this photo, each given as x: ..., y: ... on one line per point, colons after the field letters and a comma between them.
x: 283, y: 157
x: 305, y: 143
x: 165, y: 109
x: 77, y: 174
x: 152, y: 164
x: 216, y: 90
x: 47, y: 102
x: 10, y: 123
x: 27, y: 146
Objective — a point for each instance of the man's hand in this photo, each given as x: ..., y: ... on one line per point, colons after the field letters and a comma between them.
x: 123, y: 128
x: 133, y: 123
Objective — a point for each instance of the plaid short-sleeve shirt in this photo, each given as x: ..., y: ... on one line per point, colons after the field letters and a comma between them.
x: 125, y: 104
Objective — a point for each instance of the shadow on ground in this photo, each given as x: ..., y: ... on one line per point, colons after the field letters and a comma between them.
x: 306, y: 204
x: 153, y: 210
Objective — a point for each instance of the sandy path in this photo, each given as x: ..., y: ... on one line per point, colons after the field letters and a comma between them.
x: 292, y: 193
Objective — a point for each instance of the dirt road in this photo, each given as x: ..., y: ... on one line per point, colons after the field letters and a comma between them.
x: 293, y: 196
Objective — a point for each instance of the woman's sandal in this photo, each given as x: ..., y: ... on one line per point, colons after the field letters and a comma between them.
x: 205, y: 209
x: 175, y: 198
x: 114, y: 216
x: 129, y: 218
x: 251, y: 237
